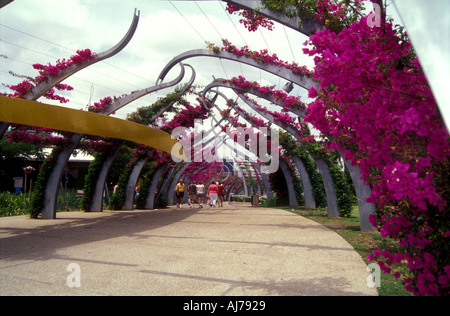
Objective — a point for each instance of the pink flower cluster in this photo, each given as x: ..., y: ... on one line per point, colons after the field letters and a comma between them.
x: 262, y: 57
x: 96, y: 144
x: 186, y: 117
x: 48, y: 71
x: 100, y: 106
x: 289, y: 101
x: 283, y: 118
x: 204, y: 171
x: 252, y: 20
x: 37, y: 136
x: 251, y: 118
x: 375, y: 105
x: 330, y: 13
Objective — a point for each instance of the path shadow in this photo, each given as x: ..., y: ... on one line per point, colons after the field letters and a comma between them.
x: 323, y: 286
x: 48, y: 237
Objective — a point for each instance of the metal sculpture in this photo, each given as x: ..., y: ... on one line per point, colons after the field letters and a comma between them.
x: 46, y: 85
x: 134, y: 177
x: 304, y: 26
x: 362, y: 190
x: 26, y: 112
x: 302, y: 80
x: 307, y: 187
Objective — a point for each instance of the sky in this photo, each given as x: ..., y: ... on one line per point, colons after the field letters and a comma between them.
x: 428, y: 25
x: 43, y: 31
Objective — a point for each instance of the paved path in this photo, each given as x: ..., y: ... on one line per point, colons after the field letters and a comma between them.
x: 235, y: 250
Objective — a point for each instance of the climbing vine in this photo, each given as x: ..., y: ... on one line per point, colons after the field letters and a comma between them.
x: 90, y: 180
x: 38, y: 196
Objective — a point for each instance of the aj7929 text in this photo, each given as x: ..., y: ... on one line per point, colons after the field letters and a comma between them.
x: 236, y: 306
x: 232, y: 306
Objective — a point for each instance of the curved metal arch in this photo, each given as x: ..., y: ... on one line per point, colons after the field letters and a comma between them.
x: 216, y: 84
x: 228, y: 173
x: 267, y: 116
x: 243, y: 180
x: 240, y: 91
x: 231, y: 190
x: 151, y: 196
x: 291, y: 190
x: 218, y: 93
x: 50, y: 210
x: 131, y: 184
x: 175, y: 180
x: 97, y: 197
x: 266, y: 183
x: 304, y: 26
x: 139, y: 94
x: 97, y: 204
x: 301, y: 80
x: 44, y: 86
x: 305, y: 177
x: 363, y: 191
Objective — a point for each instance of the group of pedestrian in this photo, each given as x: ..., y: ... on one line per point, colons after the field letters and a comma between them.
x: 197, y: 191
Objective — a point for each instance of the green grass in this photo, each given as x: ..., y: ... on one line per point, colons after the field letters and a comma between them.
x: 19, y: 204
x: 363, y: 242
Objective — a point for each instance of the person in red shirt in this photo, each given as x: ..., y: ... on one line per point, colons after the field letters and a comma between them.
x: 220, y: 189
x: 212, y: 193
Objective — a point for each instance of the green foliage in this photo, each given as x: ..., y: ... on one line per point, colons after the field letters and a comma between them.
x: 289, y: 144
x: 91, y: 179
x: 19, y: 151
x: 69, y: 201
x: 18, y: 204
x: 146, y: 183
x: 311, y: 9
x: 314, y: 177
x: 343, y: 190
x: 160, y: 202
x: 298, y: 186
x: 268, y: 202
x: 241, y: 198
x: 38, y: 196
x: 13, y: 204
x: 146, y: 115
x: 118, y: 199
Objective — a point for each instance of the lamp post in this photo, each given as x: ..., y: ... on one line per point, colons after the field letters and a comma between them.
x: 27, y: 170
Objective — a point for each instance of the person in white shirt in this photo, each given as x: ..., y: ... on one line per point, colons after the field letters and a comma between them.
x: 200, y: 193
x: 192, y: 191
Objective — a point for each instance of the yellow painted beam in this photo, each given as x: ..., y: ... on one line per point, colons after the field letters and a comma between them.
x: 20, y: 111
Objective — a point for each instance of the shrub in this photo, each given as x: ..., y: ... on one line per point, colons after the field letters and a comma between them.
x: 13, y: 204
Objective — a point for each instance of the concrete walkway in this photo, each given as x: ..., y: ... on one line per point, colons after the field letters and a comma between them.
x: 235, y: 250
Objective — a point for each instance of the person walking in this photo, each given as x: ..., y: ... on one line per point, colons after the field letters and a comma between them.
x: 192, y: 191
x: 220, y: 190
x: 137, y: 190
x: 179, y: 189
x: 200, y: 193
x: 212, y: 192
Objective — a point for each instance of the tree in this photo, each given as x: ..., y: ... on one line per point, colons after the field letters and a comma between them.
x: 20, y: 151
